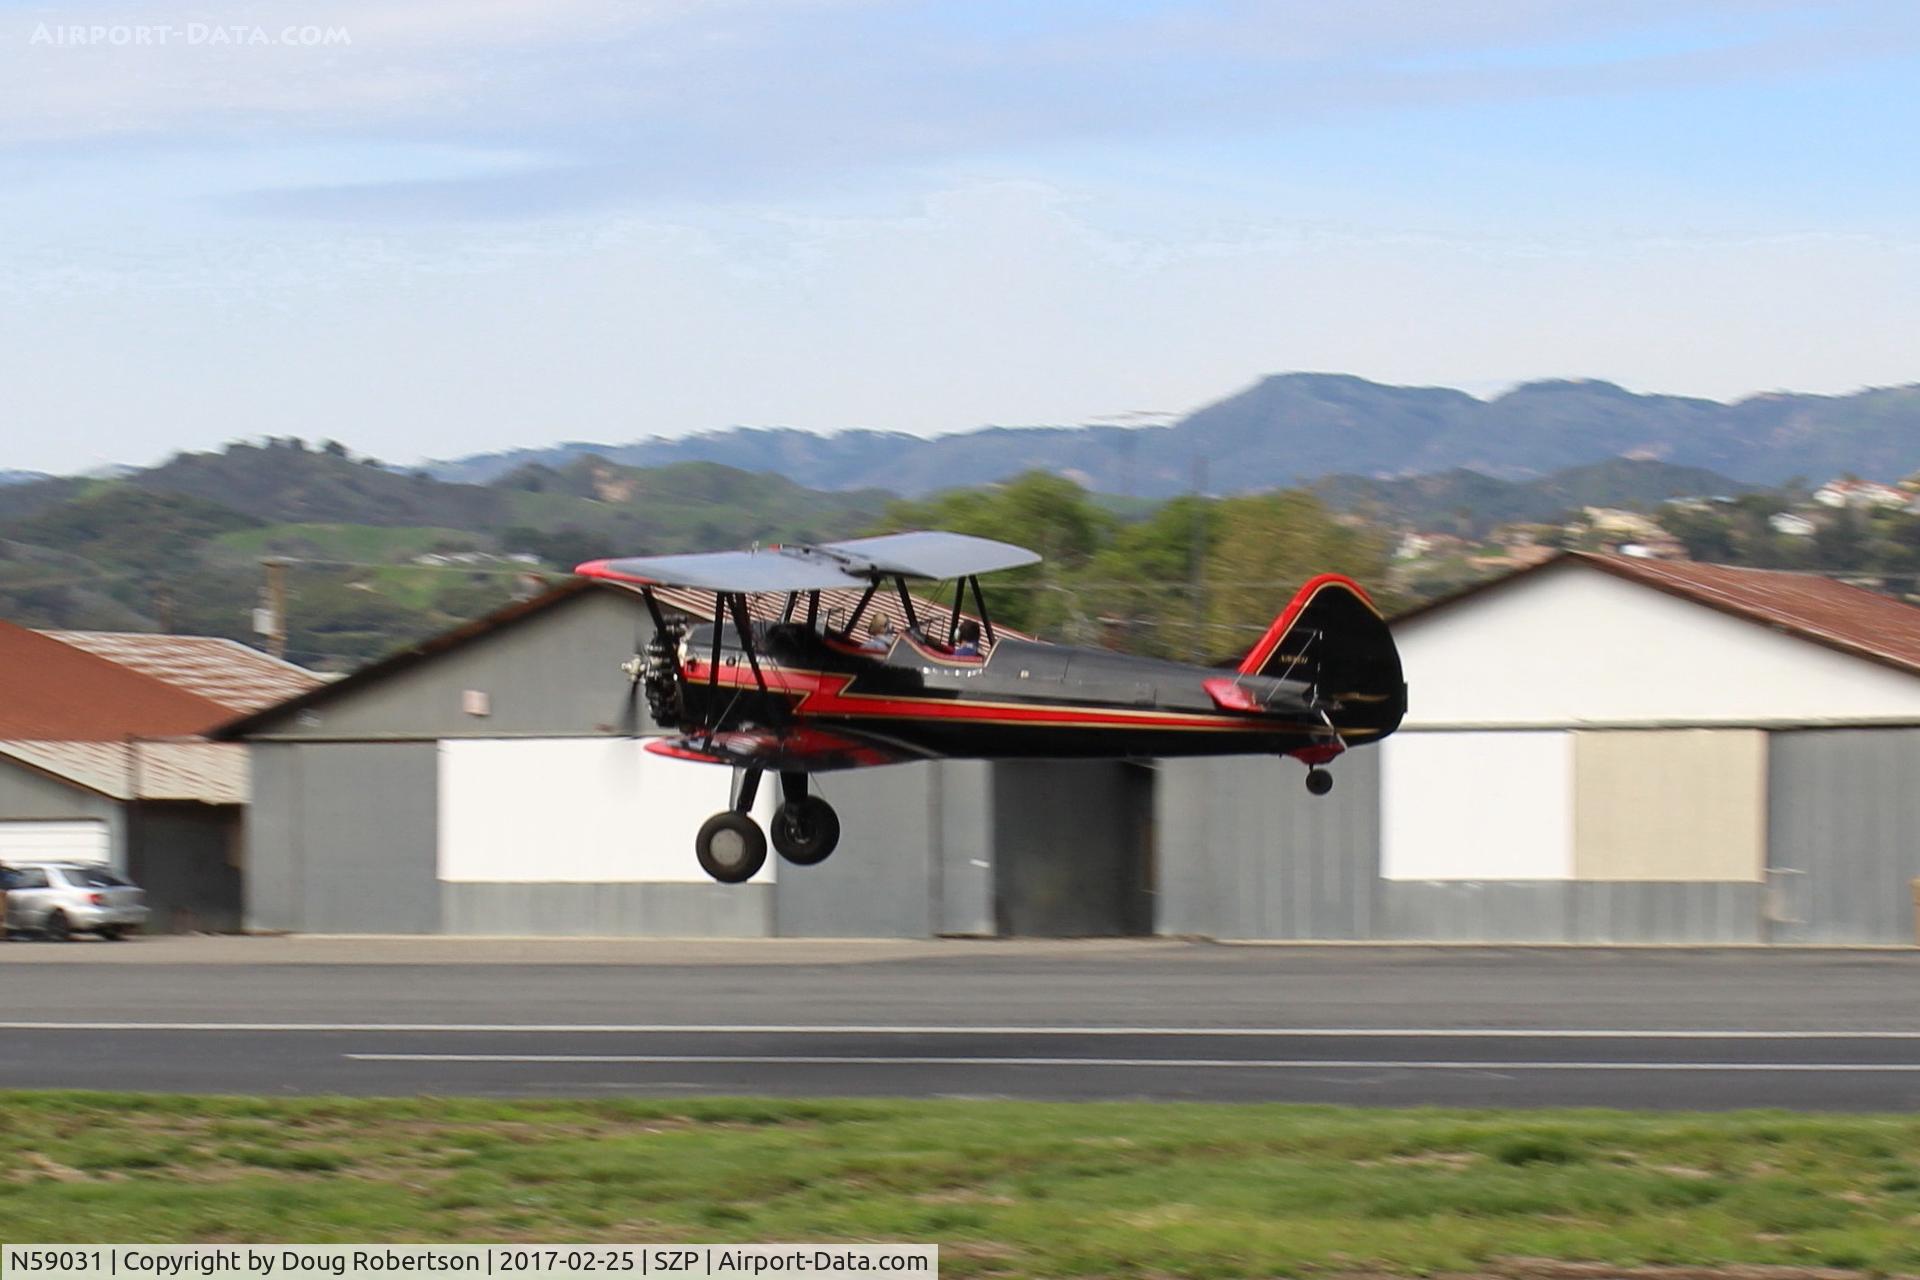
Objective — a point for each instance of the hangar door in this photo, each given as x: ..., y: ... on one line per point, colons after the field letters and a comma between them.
x: 82, y: 841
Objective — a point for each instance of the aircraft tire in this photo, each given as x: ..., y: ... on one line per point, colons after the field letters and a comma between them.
x: 1319, y: 781
x: 806, y: 830
x: 731, y: 847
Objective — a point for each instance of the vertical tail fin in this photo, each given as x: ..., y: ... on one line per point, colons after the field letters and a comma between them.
x: 1331, y: 636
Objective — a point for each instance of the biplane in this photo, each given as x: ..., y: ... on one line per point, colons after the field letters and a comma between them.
x: 808, y: 693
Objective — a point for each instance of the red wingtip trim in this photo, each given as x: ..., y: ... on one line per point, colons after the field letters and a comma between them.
x: 1257, y: 656
x: 604, y: 570
x: 671, y: 748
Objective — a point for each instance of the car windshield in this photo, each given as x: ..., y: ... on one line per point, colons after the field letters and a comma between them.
x: 92, y: 877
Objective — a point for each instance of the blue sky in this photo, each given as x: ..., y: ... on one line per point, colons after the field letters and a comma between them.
x: 435, y: 227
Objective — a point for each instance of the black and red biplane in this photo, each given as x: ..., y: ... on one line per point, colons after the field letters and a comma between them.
x: 807, y: 693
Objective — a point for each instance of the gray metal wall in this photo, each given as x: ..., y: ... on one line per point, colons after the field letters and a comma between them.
x: 1844, y: 834
x: 187, y: 859
x: 1245, y: 852
x: 1072, y: 848
x: 341, y: 838
x: 26, y: 795
x: 555, y: 674
x: 915, y: 857
x: 881, y: 881
x: 608, y: 910
x: 1569, y: 911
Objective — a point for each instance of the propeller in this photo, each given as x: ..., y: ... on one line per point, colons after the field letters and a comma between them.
x: 635, y: 668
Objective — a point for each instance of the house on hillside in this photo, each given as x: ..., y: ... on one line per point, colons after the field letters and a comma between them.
x: 1861, y: 495
x: 102, y: 759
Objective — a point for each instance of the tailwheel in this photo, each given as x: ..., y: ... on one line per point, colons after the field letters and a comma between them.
x: 1319, y: 781
x: 806, y: 830
x: 731, y: 847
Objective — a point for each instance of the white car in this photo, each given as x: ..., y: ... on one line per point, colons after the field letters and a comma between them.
x: 60, y: 899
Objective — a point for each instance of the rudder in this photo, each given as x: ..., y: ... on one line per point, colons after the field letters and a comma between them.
x: 1331, y: 636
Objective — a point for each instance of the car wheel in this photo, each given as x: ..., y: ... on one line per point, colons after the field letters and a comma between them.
x: 58, y: 927
x: 112, y: 933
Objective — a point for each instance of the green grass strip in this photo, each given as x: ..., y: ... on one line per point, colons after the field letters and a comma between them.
x: 1026, y: 1189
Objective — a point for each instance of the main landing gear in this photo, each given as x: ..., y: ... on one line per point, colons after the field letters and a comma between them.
x: 731, y: 847
x: 1319, y: 781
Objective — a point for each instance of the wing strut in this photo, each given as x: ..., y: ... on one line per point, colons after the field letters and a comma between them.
x: 743, y: 628
x: 953, y: 621
x: 866, y: 599
x: 906, y: 602
x: 713, y: 657
x: 980, y: 603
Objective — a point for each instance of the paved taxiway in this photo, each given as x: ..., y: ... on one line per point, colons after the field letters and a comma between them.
x: 1370, y: 1025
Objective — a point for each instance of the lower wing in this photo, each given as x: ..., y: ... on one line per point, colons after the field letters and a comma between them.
x: 799, y: 750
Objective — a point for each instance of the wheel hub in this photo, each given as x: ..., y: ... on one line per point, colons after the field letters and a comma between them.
x: 728, y: 848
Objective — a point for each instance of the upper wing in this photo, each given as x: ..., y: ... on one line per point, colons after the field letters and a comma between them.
x: 771, y: 569
x: 834, y: 564
x: 930, y: 555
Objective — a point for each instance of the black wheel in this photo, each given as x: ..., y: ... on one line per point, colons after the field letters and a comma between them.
x: 58, y: 927
x: 112, y: 933
x: 731, y: 847
x: 1319, y: 781
x: 806, y: 830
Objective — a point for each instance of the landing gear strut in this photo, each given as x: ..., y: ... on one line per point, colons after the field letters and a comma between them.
x: 805, y: 829
x: 1319, y: 781
x: 731, y: 847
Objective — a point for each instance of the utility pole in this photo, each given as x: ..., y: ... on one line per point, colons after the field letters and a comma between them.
x: 1197, y: 560
x: 270, y: 619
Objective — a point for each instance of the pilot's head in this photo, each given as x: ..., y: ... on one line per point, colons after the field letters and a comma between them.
x: 969, y: 632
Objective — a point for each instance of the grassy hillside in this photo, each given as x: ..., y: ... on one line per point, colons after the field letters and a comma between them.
x: 1470, y: 503
x: 183, y: 541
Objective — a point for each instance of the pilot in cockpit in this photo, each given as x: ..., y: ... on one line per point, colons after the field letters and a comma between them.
x: 879, y: 635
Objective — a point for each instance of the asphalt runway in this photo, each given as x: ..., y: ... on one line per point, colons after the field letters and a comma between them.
x: 1104, y: 1020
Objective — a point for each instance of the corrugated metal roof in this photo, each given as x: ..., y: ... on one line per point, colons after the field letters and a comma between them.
x: 209, y: 772
x: 1822, y: 610
x: 51, y: 690
x: 228, y: 672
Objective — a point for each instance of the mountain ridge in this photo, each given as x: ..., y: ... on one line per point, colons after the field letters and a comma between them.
x: 1293, y: 428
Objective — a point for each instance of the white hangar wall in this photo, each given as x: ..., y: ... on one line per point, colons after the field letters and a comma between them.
x: 1571, y: 645
x: 577, y: 811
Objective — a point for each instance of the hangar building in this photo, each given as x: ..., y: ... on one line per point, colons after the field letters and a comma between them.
x: 481, y: 783
x: 1597, y: 749
x: 101, y: 759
